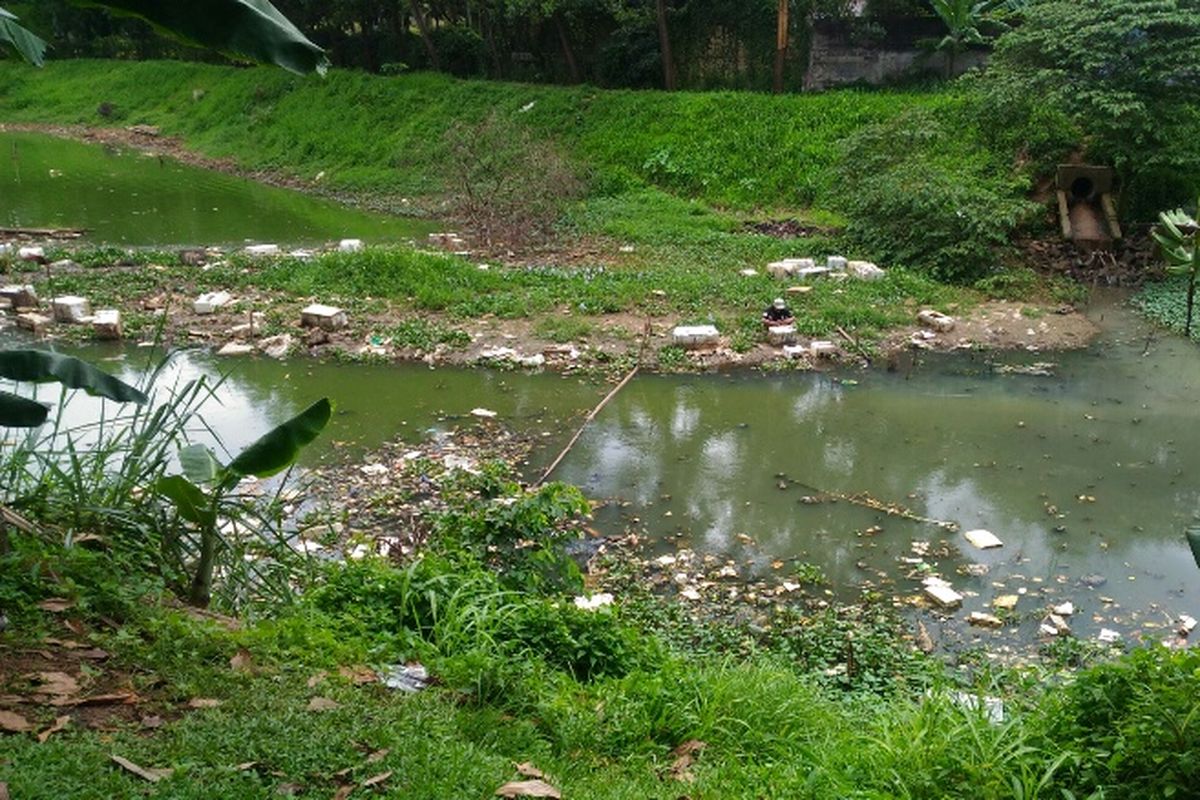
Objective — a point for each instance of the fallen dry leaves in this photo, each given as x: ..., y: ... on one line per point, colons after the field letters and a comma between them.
x: 58, y: 725
x: 112, y: 698
x: 151, y: 775
x: 322, y: 704
x: 12, y: 722
x: 204, y: 702
x: 56, y: 605
x: 377, y: 779
x: 685, y: 755
x: 54, y: 683
x: 358, y: 675
x: 527, y: 770
x: 242, y: 661
x: 534, y: 788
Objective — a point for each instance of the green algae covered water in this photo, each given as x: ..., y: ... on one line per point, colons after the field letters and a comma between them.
x: 123, y: 197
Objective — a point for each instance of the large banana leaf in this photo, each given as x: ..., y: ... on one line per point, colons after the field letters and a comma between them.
x: 42, y: 366
x: 30, y: 47
x: 1193, y: 536
x: 199, y: 464
x: 189, y: 500
x: 278, y: 449
x: 253, y: 28
x: 21, y: 412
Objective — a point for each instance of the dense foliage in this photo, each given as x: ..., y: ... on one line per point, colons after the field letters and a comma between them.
x: 713, y: 43
x: 1123, y: 74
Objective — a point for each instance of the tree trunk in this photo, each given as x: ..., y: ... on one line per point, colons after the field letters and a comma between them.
x: 781, y: 45
x: 201, y: 592
x: 664, y: 44
x: 423, y: 28
x: 1187, y: 326
x: 568, y: 53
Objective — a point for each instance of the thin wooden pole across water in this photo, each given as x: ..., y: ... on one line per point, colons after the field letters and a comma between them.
x: 646, y: 333
x: 586, y: 420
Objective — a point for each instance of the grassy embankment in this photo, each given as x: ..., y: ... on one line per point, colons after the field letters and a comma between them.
x: 675, y: 176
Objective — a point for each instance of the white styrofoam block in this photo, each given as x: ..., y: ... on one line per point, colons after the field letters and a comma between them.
x: 695, y: 335
x: 322, y: 316
x: 21, y: 295
x: 262, y: 250
x: 864, y: 271
x: 781, y: 334
x: 944, y: 596
x: 350, y: 245
x: 209, y: 302
x: 107, y: 324
x: 810, y: 271
x: 781, y: 269
x: 795, y: 351
x: 823, y: 348
x: 71, y: 309
x: 836, y: 263
x: 936, y: 320
x: 984, y: 540
x: 31, y: 253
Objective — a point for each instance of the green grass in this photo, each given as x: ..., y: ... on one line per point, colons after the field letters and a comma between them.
x: 380, y: 134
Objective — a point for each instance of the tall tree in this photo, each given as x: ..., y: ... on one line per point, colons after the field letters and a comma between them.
x: 664, y: 44
x: 252, y: 28
x: 781, y: 44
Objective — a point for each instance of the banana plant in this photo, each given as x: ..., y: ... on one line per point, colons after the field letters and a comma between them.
x: 1176, y: 235
x: 43, y: 366
x: 198, y: 493
x: 1193, y: 537
x: 252, y: 28
x: 964, y: 20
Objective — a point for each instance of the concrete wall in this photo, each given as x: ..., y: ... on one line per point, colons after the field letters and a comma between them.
x: 840, y: 55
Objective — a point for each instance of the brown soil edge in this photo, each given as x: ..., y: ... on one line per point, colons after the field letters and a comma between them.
x: 617, y: 338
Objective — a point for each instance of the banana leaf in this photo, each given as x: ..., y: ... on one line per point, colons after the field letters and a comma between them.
x: 21, y: 412
x: 42, y: 366
x: 278, y: 449
x: 30, y: 47
x: 252, y: 28
x: 1193, y: 537
x: 189, y: 500
x: 199, y: 464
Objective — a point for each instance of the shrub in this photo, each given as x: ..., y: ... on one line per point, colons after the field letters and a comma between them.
x: 1132, y: 726
x: 587, y: 644
x: 922, y: 193
x: 511, y: 186
x: 1123, y: 72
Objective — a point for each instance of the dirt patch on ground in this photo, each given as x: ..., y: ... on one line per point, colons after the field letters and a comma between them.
x: 1002, y: 325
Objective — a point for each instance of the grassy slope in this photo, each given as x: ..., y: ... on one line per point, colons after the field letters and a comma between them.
x: 385, y: 134
x: 663, y: 167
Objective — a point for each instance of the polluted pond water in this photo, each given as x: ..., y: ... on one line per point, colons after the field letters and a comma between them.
x: 1082, y: 468
x: 122, y: 196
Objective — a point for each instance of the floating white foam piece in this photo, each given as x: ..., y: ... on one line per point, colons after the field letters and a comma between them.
x: 262, y: 250
x: 982, y: 620
x: 984, y: 540
x: 1064, y: 609
x: 236, y: 349
x: 209, y: 302
x: 483, y: 413
x: 1186, y: 624
x: 71, y: 309
x: 943, y: 595
x: 695, y: 335
x: 1109, y: 636
x: 350, y: 245
x: 329, y: 318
